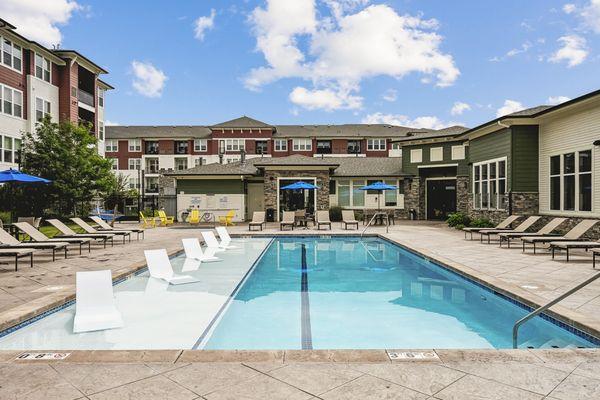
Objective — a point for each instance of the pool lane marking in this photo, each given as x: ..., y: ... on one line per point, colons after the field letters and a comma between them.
x: 306, y: 331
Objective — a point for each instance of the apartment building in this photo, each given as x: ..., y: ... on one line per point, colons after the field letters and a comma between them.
x: 36, y: 81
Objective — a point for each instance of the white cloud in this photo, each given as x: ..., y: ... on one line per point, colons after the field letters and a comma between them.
x: 111, y: 123
x: 203, y: 24
x: 513, y: 52
x: 509, y: 107
x: 569, y: 8
x: 390, y: 95
x: 426, y: 122
x: 591, y: 15
x: 324, y: 99
x: 148, y: 80
x: 459, y: 107
x: 553, y: 100
x: 573, y: 51
x: 39, y: 20
x: 298, y: 42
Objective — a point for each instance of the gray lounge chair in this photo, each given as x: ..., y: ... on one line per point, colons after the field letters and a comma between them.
x: 594, y: 251
x: 502, y: 225
x: 288, y: 219
x: 104, y: 227
x: 89, y: 229
x: 67, y: 232
x: 38, y: 236
x: 17, y: 253
x: 9, y: 242
x: 522, y: 227
x: 258, y: 219
x: 573, y: 235
x: 323, y: 219
x: 348, y: 219
x: 545, y: 230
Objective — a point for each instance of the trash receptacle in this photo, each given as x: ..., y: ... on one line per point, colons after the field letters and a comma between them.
x: 413, y: 214
x: 270, y: 215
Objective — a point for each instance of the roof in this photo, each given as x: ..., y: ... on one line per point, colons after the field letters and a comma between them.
x: 528, y: 112
x: 345, y: 130
x: 297, y: 159
x: 106, y: 85
x: 134, y: 132
x: 71, y: 53
x: 450, y: 131
x: 368, y: 166
x: 234, y: 168
x: 242, y: 123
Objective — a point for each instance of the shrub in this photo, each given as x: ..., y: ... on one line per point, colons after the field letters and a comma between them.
x: 5, y: 217
x: 335, y: 213
x: 456, y: 219
x: 482, y: 223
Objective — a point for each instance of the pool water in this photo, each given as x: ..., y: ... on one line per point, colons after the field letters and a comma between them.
x: 347, y: 293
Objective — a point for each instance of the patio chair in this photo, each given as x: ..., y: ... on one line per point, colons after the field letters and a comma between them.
x: 147, y: 222
x: 323, y: 219
x: 104, y: 227
x: 288, y: 219
x: 17, y: 253
x: 67, y: 232
x: 211, y: 241
x: 9, y: 242
x: 160, y: 267
x: 258, y: 219
x: 585, y: 245
x: 194, y: 217
x: 226, y: 220
x: 95, y: 305
x: 89, y: 229
x: 224, y: 235
x: 522, y: 227
x: 192, y: 249
x: 544, y: 231
x: 164, y: 219
x: 573, y: 235
x: 348, y: 219
x: 502, y: 225
x: 38, y: 236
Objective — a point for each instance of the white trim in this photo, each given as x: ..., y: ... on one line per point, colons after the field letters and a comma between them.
x: 12, y: 43
x: 35, y: 53
x: 576, y: 174
x: 298, y: 178
x: 275, y: 145
x: 440, y: 156
x: 460, y: 147
x: 413, y: 156
x: 371, y: 144
x: 506, y: 188
x: 437, y: 165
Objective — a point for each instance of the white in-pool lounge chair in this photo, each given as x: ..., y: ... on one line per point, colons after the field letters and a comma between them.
x: 95, y: 306
x: 89, y: 229
x: 258, y: 219
x: 103, y: 226
x: 160, y: 267
x: 211, y: 241
x: 9, y: 242
x: 573, y: 235
x: 193, y: 250
x: 522, y: 227
x: 38, y: 236
x: 502, y: 225
x: 70, y: 233
x: 224, y: 235
x: 544, y: 231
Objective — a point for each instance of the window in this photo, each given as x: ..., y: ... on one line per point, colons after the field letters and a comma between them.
x: 42, y: 108
x: 181, y: 146
x: 332, y: 187
x: 436, y: 154
x: 358, y: 195
x: 416, y: 156
x: 281, y: 145
x: 12, y: 101
x: 391, y: 199
x: 458, y: 152
x: 151, y: 147
x: 133, y: 182
x: 17, y: 150
x: 152, y: 166
x: 489, y: 185
x: 353, y: 146
x: 323, y: 146
x: 100, y: 97
x: 42, y: 68
x: 302, y: 144
x: 181, y: 164
x: 200, y: 144
x: 134, y: 163
x: 100, y: 130
x: 111, y: 146
x: 12, y: 55
x: 115, y: 163
x: 198, y: 161
x: 349, y: 193
x: 232, y: 145
x: 261, y: 147
x: 343, y: 191
x: 8, y: 149
x: 376, y: 144
x: 571, y: 181
x: 134, y: 145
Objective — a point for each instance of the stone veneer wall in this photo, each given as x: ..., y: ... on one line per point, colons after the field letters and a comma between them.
x: 271, y: 194
x: 462, y: 194
x: 412, y: 189
x: 523, y: 203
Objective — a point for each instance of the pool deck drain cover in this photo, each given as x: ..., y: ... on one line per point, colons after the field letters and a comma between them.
x: 413, y: 355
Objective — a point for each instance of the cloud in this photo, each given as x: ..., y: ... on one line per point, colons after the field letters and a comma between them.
x: 390, y: 95
x: 39, y: 20
x: 324, y: 99
x: 425, y: 122
x: 110, y: 123
x: 573, y: 51
x: 203, y: 24
x: 554, y: 100
x: 299, y: 42
x: 148, y: 80
x: 591, y: 15
x: 459, y: 107
x: 509, y: 107
x: 569, y: 8
x: 513, y: 52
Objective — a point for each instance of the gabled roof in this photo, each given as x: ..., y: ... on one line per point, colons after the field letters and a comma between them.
x: 242, y: 123
x: 75, y: 54
x: 445, y: 133
x: 234, y: 168
x: 171, y: 132
x: 297, y: 160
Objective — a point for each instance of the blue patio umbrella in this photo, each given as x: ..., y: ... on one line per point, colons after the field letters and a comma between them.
x: 300, y: 185
x: 380, y: 187
x: 15, y: 176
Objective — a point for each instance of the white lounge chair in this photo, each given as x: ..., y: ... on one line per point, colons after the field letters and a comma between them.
x: 193, y: 250
x: 95, y: 306
x: 224, y: 235
x: 211, y: 241
x: 160, y: 267
x: 190, y: 264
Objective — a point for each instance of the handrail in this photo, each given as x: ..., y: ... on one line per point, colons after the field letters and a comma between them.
x: 543, y: 308
x: 373, y: 218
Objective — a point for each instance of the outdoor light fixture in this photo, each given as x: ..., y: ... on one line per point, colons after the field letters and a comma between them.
x: 596, y: 142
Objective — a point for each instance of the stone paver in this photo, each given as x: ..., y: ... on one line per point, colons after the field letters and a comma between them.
x: 370, y: 387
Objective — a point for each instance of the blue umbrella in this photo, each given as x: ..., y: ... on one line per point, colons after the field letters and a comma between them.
x: 380, y: 187
x: 14, y: 175
x: 300, y: 185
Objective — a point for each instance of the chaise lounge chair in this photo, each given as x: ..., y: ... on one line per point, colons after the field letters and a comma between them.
x: 38, y: 236
x: 258, y: 219
x: 323, y: 219
x: 9, y: 242
x: 67, y: 232
x: 89, y: 229
x: 573, y: 235
x: 104, y: 227
x: 521, y: 228
x: 160, y: 267
x: 595, y: 251
x: 288, y: 219
x: 192, y: 249
x: 211, y: 241
x: 502, y: 225
x: 546, y: 230
x: 17, y: 253
x: 95, y: 305
x: 348, y: 219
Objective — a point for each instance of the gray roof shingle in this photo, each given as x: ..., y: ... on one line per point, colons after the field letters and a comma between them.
x: 242, y: 122
x: 174, y: 132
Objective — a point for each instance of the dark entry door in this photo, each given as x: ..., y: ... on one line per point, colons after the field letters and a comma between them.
x: 441, y: 198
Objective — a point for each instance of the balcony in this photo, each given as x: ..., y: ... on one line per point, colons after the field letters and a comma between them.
x: 85, y: 97
x: 151, y: 170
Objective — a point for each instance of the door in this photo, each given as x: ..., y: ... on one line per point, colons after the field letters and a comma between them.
x: 256, y: 198
x: 441, y: 198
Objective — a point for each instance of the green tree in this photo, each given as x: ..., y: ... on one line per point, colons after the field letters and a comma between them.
x: 67, y: 155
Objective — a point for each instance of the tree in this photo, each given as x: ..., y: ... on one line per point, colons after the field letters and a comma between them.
x: 66, y: 154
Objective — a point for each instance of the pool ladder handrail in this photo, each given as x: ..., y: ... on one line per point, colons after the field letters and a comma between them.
x: 539, y: 310
x: 387, y: 225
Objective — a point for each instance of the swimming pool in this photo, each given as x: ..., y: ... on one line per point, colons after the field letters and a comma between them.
x: 312, y: 292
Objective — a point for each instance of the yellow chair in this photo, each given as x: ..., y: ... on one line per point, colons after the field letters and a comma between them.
x: 147, y: 222
x: 194, y: 217
x: 164, y: 219
x: 226, y: 220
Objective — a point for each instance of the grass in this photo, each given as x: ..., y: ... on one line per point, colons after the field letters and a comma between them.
x: 51, y: 231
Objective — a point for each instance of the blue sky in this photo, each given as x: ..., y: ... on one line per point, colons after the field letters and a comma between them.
x: 330, y: 61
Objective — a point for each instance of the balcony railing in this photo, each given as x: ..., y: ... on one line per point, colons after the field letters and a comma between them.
x: 151, y: 170
x: 85, y: 97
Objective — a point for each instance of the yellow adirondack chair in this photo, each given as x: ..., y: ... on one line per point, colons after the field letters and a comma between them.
x: 147, y: 222
x: 164, y: 219
x: 194, y: 217
x: 226, y: 220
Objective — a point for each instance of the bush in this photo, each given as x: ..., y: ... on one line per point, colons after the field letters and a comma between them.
x: 335, y: 213
x: 481, y: 223
x: 456, y: 219
x: 5, y: 217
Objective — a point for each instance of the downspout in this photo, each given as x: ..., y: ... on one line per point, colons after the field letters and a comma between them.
x: 510, y: 205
